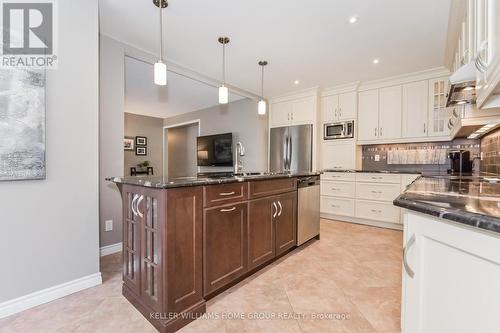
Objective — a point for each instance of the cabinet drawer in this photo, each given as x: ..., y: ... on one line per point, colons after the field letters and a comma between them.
x: 374, y: 191
x: 344, y: 176
x: 337, y: 206
x: 215, y: 195
x: 378, y: 178
x: 380, y: 211
x: 338, y: 189
x: 265, y: 188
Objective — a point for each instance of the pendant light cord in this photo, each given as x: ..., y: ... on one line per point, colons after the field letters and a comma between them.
x: 161, y: 29
x: 223, y: 63
x: 262, y: 84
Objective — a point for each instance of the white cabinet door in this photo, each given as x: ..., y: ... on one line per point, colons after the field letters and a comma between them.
x: 303, y: 110
x: 347, y: 106
x: 338, y: 155
x: 329, y: 108
x: 415, y: 105
x: 390, y: 113
x: 280, y: 113
x: 368, y: 115
x: 439, y: 114
x: 455, y: 275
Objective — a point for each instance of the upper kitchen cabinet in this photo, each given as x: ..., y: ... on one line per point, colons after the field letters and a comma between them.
x: 415, y: 97
x: 339, y: 107
x: 368, y: 115
x: 439, y: 115
x: 294, y: 109
x: 389, y: 123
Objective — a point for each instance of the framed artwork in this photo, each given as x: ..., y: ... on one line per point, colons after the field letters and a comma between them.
x: 128, y: 143
x: 141, y: 151
x: 141, y: 141
x: 22, y: 124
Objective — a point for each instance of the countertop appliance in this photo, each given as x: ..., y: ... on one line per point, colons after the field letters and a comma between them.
x: 215, y: 150
x: 308, y: 209
x: 290, y: 148
x: 460, y: 162
x: 338, y: 130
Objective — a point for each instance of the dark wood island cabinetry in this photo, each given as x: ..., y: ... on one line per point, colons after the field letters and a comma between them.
x: 183, y: 245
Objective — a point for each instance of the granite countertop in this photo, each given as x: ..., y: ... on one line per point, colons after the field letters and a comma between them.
x: 373, y: 171
x: 474, y: 201
x: 162, y: 183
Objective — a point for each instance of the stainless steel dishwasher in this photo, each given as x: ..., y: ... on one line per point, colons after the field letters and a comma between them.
x: 308, y: 209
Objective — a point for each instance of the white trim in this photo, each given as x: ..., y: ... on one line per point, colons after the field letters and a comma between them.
x: 356, y: 220
x: 110, y: 249
x: 340, y: 89
x: 309, y: 92
x: 404, y: 140
x: 427, y: 74
x: 25, y: 302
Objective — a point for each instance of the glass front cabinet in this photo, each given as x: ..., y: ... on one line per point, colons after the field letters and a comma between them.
x: 439, y: 114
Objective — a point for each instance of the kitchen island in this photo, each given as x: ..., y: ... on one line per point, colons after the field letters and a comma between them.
x: 186, y: 240
x: 451, y: 255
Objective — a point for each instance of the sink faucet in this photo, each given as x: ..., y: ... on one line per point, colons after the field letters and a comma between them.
x: 238, y: 152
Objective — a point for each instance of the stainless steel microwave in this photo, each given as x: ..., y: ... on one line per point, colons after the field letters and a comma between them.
x: 339, y: 130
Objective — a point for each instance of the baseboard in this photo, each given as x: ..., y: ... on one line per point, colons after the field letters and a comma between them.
x: 110, y: 249
x: 46, y: 295
x: 373, y: 223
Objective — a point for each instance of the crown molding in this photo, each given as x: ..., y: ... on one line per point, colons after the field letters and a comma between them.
x: 427, y: 74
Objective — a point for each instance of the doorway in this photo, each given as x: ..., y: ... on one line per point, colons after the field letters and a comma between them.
x: 179, y: 149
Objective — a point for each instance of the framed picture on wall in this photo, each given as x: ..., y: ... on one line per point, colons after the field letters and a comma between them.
x: 141, y: 151
x: 128, y: 143
x: 141, y: 141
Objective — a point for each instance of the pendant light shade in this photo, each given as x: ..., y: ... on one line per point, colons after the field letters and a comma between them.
x: 223, y: 91
x: 160, y: 68
x: 160, y: 73
x: 262, y: 105
x: 223, y: 95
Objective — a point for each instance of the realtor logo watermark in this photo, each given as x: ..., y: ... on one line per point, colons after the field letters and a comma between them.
x: 29, y: 33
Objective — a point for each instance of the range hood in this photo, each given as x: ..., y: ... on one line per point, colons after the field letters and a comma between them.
x: 463, y: 86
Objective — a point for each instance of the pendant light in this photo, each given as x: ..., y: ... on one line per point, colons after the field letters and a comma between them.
x: 223, y: 91
x: 262, y: 105
x: 160, y: 68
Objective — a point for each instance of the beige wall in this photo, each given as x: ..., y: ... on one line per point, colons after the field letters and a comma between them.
x: 181, y: 150
x: 50, y: 229
x: 152, y: 128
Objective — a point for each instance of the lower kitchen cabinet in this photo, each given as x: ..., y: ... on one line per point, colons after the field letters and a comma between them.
x: 225, y: 245
x: 286, y: 222
x: 261, y: 231
x: 450, y: 277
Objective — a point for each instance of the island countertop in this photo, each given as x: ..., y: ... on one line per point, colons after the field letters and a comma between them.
x: 474, y: 201
x: 166, y: 183
x: 374, y: 171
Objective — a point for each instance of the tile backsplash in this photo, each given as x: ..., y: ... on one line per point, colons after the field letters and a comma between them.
x: 490, y: 151
x: 428, y: 157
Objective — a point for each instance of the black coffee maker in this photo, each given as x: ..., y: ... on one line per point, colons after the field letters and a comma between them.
x: 460, y: 162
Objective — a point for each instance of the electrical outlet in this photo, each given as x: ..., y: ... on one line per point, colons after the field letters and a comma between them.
x: 108, y: 226
x: 377, y: 158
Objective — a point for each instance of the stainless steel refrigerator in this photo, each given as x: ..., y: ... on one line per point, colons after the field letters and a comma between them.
x: 291, y: 148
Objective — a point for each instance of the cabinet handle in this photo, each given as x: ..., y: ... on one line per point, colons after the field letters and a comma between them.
x: 450, y: 125
x: 377, y: 177
x: 133, y: 203
x: 275, y: 209
x: 292, y: 115
x: 375, y: 131
x: 340, y: 112
x: 425, y: 128
x: 224, y: 210
x: 335, y: 115
x: 137, y: 206
x: 335, y: 206
x: 226, y: 193
x: 288, y: 116
x: 335, y: 189
x: 380, y: 131
x: 376, y: 211
x: 408, y: 269
x: 377, y: 192
x: 281, y: 208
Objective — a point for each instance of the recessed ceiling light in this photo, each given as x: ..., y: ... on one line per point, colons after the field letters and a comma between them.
x: 353, y: 19
x: 296, y: 82
x: 375, y: 61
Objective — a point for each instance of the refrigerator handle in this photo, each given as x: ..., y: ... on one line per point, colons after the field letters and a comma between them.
x: 289, y: 153
x: 285, y: 153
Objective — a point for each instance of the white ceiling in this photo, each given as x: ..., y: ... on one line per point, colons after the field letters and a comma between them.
x: 182, y: 94
x: 310, y: 41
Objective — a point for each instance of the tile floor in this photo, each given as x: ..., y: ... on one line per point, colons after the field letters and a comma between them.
x: 353, y: 272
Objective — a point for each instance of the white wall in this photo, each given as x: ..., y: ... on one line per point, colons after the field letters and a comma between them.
x: 111, y: 133
x: 49, y: 228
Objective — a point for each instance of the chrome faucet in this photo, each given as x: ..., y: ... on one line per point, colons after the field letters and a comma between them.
x: 238, y: 152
